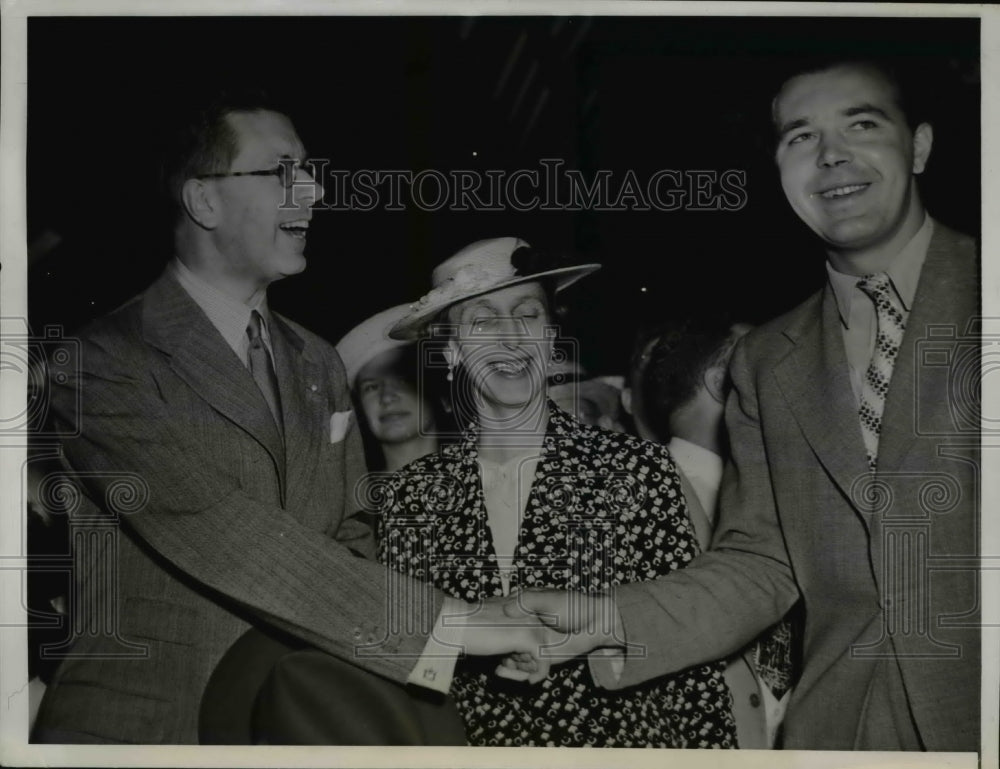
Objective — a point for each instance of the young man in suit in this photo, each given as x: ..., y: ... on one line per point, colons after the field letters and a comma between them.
x: 854, y: 474
x: 217, y: 460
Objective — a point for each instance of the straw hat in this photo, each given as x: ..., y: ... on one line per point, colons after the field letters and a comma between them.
x: 479, y: 268
x: 368, y: 340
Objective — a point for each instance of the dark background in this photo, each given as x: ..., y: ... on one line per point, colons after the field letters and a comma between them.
x: 425, y: 93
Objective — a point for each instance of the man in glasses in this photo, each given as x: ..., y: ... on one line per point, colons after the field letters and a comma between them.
x: 230, y: 428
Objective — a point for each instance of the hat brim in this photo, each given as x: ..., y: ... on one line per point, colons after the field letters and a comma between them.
x: 413, y: 325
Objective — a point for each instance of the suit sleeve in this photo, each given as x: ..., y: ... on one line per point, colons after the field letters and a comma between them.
x: 354, y: 532
x: 733, y: 592
x: 243, y: 550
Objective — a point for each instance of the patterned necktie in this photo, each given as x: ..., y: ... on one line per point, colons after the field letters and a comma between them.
x: 263, y: 369
x: 772, y: 658
x: 875, y: 385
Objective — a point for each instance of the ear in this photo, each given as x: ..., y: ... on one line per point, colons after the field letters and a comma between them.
x: 627, y: 400
x: 201, y: 203
x: 923, y: 138
x: 715, y: 382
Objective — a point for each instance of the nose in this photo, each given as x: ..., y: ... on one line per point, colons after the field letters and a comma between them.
x: 833, y: 151
x: 389, y: 392
x: 512, y: 330
x: 307, y: 187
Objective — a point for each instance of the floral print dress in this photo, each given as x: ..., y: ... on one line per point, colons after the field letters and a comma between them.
x: 604, y: 509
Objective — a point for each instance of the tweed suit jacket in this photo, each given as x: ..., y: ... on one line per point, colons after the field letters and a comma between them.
x: 221, y: 524
x: 885, y: 563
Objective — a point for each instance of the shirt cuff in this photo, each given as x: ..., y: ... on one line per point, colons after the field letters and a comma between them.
x: 774, y: 710
x: 436, y: 666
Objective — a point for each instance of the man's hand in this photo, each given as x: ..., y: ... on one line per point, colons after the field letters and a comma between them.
x: 490, y: 628
x: 584, y: 621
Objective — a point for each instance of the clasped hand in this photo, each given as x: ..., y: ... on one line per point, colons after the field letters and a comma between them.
x: 538, y: 628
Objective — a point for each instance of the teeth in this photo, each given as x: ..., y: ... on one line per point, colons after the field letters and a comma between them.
x: 508, y: 367
x: 841, y: 191
x: 296, y: 229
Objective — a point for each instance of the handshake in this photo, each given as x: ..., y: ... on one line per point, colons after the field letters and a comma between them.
x: 535, y: 629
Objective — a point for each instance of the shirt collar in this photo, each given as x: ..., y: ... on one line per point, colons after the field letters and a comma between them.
x: 903, y: 271
x: 692, y: 455
x: 230, y: 316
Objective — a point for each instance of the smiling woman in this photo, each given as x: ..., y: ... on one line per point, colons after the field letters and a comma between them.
x: 529, y: 497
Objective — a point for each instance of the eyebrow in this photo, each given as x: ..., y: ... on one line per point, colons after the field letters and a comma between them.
x: 859, y: 109
x: 791, y: 125
x: 867, y: 109
x: 480, y: 304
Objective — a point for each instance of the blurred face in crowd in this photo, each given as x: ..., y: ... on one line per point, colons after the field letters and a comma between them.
x: 258, y: 238
x: 389, y: 399
x: 503, y: 346
x: 592, y: 402
x: 847, y: 159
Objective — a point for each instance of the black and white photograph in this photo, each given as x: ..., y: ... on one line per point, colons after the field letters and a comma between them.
x: 403, y: 381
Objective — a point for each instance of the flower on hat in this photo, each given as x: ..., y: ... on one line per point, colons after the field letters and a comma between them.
x: 470, y: 278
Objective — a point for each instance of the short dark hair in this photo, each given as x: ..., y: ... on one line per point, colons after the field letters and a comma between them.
x: 685, y: 349
x: 202, y: 140
x: 897, y: 74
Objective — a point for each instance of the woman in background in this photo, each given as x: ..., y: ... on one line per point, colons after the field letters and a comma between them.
x: 394, y: 395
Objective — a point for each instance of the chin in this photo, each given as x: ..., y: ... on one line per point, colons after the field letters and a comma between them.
x: 292, y: 265
x: 851, y: 235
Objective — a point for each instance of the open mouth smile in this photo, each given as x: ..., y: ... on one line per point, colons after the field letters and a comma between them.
x: 297, y: 229
x: 510, y: 367
x: 843, y: 191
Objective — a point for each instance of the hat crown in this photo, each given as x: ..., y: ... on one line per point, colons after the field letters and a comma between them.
x: 369, y: 339
x: 480, y: 264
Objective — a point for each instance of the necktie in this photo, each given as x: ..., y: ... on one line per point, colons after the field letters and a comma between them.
x: 263, y: 369
x: 888, y: 339
x: 772, y: 653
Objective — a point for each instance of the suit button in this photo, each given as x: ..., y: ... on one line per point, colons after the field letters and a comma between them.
x: 755, y: 700
x: 357, y: 632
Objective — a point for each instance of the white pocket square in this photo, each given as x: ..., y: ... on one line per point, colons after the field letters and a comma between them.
x: 340, y: 423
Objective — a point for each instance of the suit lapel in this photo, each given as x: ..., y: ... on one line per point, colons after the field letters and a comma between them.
x: 174, y: 323
x: 303, y: 406
x: 945, y: 298
x: 815, y: 382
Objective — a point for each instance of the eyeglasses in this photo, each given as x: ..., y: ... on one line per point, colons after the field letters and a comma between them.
x: 285, y: 171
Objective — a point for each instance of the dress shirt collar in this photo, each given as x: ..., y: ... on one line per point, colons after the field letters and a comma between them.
x: 230, y: 316
x: 904, y: 272
x: 706, y: 464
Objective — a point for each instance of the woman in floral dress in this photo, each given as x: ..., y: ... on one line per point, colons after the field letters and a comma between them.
x: 529, y: 497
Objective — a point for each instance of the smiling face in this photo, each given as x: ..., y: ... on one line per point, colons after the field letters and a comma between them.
x: 503, y: 345
x: 389, y: 399
x: 258, y: 238
x: 847, y: 161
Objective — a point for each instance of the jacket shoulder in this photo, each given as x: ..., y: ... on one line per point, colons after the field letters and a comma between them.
x: 119, y: 333
x: 772, y: 335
